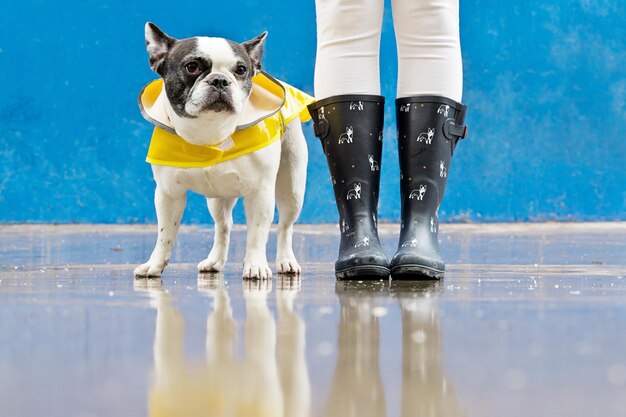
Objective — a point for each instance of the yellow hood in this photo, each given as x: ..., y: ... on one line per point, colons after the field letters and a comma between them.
x: 272, y: 105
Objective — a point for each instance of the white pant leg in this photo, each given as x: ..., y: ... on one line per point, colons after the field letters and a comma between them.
x: 348, y: 45
x: 429, y: 49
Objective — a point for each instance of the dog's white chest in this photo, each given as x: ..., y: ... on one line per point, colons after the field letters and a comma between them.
x: 232, y: 178
x: 212, y: 182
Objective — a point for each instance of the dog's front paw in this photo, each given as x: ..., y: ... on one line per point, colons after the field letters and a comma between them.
x: 212, y: 264
x: 288, y: 265
x: 256, y: 270
x: 150, y: 269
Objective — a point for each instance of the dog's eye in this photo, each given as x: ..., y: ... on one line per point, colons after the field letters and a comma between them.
x: 192, y: 67
x: 241, y: 70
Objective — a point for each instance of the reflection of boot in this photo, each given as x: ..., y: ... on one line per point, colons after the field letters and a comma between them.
x: 357, y: 389
x: 350, y: 130
x: 290, y: 350
x: 429, y: 128
x: 425, y: 390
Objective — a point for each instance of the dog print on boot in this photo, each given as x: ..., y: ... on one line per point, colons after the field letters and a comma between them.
x: 373, y: 163
x: 443, y: 109
x: 320, y: 113
x: 443, y: 171
x: 356, y: 106
x: 418, y: 194
x: 405, y: 108
x: 346, y: 137
x: 427, y: 137
x: 355, y: 192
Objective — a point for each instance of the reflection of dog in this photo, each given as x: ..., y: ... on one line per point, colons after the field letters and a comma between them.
x: 443, y: 109
x: 291, y: 349
x: 365, y: 241
x: 354, y: 192
x: 418, y: 194
x: 346, y: 137
x: 426, y: 136
x: 268, y: 381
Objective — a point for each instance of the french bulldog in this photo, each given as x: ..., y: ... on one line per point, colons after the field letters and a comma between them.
x: 207, y: 82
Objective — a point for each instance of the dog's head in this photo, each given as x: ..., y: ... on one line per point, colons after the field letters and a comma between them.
x: 207, y: 80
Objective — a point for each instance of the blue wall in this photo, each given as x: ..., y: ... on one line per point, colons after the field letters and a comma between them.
x: 545, y: 83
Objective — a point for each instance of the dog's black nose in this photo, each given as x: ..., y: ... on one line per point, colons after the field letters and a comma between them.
x: 220, y: 83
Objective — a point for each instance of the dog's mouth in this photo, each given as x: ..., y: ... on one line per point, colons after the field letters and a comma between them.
x: 218, y: 101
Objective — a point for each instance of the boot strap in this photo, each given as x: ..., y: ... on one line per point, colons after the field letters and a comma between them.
x: 453, y: 131
x: 321, y: 128
x: 456, y: 129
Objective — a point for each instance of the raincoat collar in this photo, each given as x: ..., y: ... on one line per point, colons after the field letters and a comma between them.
x: 267, y: 97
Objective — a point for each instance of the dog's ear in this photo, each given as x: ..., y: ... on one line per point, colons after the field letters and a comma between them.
x: 254, y: 47
x: 157, y: 44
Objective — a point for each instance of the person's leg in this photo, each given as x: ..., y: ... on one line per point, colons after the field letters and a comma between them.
x: 429, y: 50
x: 348, y: 44
x: 430, y: 123
x: 348, y: 120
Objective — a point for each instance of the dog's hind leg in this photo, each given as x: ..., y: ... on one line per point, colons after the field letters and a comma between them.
x: 290, y: 184
x: 221, y: 210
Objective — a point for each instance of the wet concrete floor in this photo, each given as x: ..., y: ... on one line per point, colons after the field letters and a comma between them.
x: 529, y: 321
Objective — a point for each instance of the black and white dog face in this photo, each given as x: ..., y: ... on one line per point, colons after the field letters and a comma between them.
x: 202, y: 75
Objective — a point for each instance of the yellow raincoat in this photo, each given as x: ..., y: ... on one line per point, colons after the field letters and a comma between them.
x: 272, y: 105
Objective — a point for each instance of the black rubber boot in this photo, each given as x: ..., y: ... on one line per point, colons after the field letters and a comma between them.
x: 429, y: 128
x: 350, y: 129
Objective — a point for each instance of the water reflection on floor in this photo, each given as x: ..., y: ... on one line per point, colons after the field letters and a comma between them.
x: 542, y: 334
